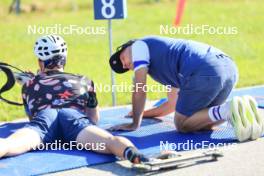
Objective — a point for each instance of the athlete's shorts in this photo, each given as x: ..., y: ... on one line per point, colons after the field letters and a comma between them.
x: 209, y: 86
x: 59, y: 124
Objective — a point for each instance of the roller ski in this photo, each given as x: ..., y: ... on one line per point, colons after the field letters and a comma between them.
x: 174, y: 160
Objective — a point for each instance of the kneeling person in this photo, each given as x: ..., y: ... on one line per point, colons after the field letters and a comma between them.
x: 201, y: 77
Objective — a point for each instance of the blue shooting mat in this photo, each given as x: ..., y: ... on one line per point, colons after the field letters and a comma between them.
x: 153, y: 136
x: 257, y: 92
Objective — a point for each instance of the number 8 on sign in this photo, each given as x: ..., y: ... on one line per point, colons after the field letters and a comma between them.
x: 106, y: 6
x: 110, y: 9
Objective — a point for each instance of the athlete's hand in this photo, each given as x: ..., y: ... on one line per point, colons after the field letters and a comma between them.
x: 124, y: 127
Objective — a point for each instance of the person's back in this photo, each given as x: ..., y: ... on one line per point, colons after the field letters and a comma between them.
x: 54, y: 89
x: 171, y: 58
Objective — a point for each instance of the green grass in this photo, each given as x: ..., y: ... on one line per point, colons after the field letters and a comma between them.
x: 88, y: 54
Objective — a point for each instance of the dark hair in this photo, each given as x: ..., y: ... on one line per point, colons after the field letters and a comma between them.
x: 56, y: 61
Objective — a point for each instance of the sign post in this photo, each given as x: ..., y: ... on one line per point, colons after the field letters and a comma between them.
x: 109, y: 10
x: 17, y: 7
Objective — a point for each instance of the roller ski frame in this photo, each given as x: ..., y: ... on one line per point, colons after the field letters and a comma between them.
x: 175, y: 160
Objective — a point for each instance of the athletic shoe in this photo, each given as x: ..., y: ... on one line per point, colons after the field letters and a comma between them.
x: 238, y: 119
x: 252, y: 113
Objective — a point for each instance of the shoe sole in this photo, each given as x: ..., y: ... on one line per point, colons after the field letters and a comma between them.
x: 254, y: 117
x: 239, y: 120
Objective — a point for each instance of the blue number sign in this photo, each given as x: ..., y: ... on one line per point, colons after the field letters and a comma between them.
x: 110, y: 9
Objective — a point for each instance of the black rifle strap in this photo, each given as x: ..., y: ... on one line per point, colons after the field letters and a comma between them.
x: 9, y: 83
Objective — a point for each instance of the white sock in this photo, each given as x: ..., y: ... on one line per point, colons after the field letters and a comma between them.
x: 220, y: 112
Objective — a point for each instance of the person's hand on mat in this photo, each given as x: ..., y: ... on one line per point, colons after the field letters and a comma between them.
x: 124, y: 127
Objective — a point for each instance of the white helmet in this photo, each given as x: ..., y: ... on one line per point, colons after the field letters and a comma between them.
x: 48, y: 46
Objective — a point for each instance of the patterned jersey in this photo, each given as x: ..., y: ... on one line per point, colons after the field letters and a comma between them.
x: 56, y: 89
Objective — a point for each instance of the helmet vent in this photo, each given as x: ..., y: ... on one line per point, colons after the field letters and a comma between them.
x: 46, y: 53
x: 44, y: 40
x: 40, y: 48
x: 55, y: 51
